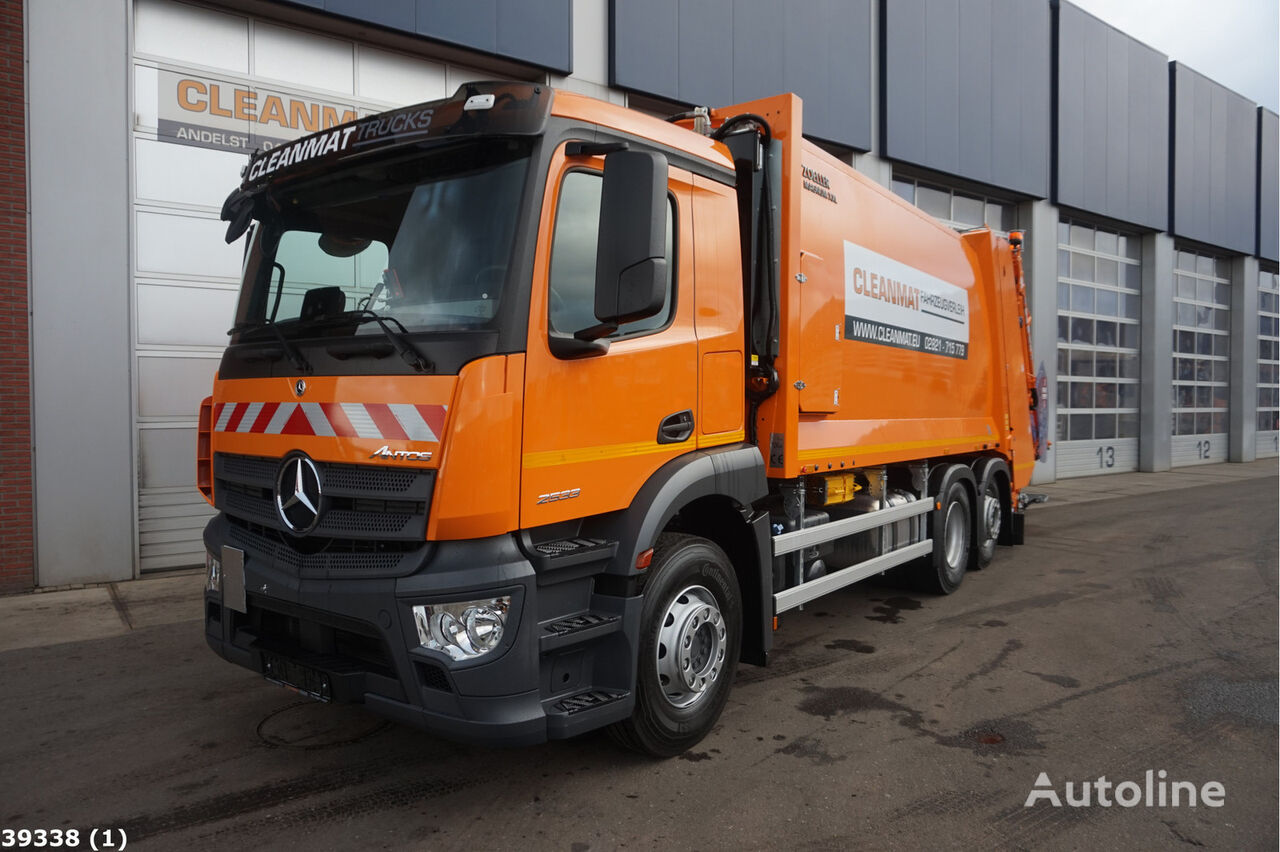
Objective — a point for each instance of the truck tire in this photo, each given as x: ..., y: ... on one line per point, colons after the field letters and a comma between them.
x: 690, y: 635
x: 952, y: 531
x: 990, y: 517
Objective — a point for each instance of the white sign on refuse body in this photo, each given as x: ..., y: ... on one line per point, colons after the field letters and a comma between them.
x: 890, y: 303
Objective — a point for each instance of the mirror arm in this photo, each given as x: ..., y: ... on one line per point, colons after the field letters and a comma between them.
x: 238, y: 211
x: 596, y: 332
x: 569, y: 346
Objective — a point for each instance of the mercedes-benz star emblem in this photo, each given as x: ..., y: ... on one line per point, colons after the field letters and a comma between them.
x: 298, y: 494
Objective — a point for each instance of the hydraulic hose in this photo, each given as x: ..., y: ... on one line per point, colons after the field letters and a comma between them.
x: 762, y: 380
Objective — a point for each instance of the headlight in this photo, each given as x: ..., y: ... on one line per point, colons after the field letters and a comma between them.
x: 213, y: 573
x: 463, y: 630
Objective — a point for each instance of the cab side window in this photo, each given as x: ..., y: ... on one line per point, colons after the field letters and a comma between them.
x: 571, y: 285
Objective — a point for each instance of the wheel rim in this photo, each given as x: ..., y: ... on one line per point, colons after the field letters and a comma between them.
x: 991, y: 515
x: 955, y: 535
x: 691, y: 646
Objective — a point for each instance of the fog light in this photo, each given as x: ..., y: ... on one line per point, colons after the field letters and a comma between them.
x: 463, y: 630
x: 213, y: 573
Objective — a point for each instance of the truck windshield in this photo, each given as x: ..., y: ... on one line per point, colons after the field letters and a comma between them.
x: 422, y: 239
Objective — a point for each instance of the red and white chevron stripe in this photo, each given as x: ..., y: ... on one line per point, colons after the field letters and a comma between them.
x: 379, y: 421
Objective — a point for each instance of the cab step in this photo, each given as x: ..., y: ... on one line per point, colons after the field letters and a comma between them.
x: 588, y: 700
x: 577, y: 628
x: 585, y: 711
x: 569, y: 558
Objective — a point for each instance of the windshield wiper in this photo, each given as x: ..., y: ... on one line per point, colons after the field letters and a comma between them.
x: 408, y: 352
x: 295, y: 355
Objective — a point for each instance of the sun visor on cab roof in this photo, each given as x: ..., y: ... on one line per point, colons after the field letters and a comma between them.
x: 476, y: 109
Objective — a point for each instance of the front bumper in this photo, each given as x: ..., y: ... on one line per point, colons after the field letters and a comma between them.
x: 357, y: 635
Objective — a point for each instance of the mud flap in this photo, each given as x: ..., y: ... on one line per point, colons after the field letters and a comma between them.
x: 1017, y: 528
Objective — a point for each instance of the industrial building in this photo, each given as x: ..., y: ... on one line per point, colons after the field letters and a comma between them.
x: 1148, y: 193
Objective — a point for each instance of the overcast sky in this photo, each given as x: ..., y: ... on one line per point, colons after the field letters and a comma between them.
x: 1234, y: 42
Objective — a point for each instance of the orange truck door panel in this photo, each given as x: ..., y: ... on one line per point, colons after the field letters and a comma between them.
x: 591, y: 424
x: 719, y: 320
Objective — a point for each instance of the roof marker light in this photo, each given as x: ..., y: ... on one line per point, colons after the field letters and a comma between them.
x: 478, y: 102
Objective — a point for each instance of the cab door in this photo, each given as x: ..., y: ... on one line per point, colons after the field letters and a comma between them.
x: 596, y: 427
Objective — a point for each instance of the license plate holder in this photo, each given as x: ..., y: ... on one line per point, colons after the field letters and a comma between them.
x: 233, y: 595
x: 297, y: 677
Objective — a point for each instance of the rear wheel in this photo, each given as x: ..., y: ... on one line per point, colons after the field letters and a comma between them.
x: 691, y: 631
x: 952, y: 537
x: 990, y: 517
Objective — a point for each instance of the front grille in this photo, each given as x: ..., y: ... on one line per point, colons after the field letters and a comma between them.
x: 248, y: 468
x: 254, y: 505
x: 373, y: 480
x: 339, y: 558
x: 372, y: 522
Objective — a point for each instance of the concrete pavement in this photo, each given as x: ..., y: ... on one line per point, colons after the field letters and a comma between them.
x: 1130, y: 636
x: 1109, y: 486
x: 98, y: 612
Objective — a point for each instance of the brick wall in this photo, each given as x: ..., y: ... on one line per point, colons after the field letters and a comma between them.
x: 17, y: 554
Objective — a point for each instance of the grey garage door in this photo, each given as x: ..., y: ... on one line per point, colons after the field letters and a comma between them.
x: 1099, y: 312
x: 1201, y: 354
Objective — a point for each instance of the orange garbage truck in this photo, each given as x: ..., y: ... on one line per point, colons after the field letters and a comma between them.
x: 538, y: 412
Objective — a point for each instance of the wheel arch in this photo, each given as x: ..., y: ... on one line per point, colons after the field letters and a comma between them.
x: 716, y: 518
x: 997, y: 468
x: 942, y: 475
x: 712, y: 494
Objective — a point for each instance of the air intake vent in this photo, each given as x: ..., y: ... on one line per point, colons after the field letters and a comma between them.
x: 371, y: 518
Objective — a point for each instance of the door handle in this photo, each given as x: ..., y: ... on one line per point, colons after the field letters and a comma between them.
x: 675, y: 428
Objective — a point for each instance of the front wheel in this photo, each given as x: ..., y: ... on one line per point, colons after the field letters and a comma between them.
x: 691, y: 632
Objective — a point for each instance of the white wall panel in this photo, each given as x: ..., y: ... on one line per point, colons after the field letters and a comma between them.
x: 311, y: 61
x: 398, y: 79
x: 146, y: 102
x: 171, y: 315
x: 1267, y: 444
x: 459, y: 75
x: 182, y: 174
x: 186, y: 245
x: 191, y: 35
x: 172, y: 387
x: 167, y: 457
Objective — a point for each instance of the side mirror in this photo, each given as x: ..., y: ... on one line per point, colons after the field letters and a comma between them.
x: 631, y: 265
